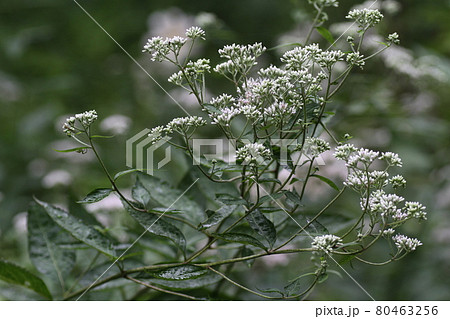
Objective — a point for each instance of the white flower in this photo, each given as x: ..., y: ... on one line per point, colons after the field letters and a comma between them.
x: 156, y: 134
x: 158, y: 48
x: 195, y: 32
x: 416, y: 210
x: 343, y: 152
x: 388, y: 232
x: 253, y: 153
x: 182, y: 124
x: 356, y: 58
x: 364, y: 156
x: 222, y: 101
x: 393, y: 38
x: 383, y: 204
x: 397, y: 181
x: 326, y: 243
x: 324, y: 3
x: 225, y: 116
x: 391, y: 158
x: 406, y: 243
x: 176, y: 78
x: 315, y: 146
x: 365, y: 18
x: 85, y: 119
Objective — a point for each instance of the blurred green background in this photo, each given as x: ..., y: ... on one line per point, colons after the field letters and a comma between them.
x: 55, y: 61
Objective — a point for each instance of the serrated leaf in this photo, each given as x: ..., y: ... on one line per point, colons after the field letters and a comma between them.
x: 184, y: 272
x: 326, y: 180
x: 45, y: 240
x: 95, y: 196
x: 240, y: 238
x: 217, y: 216
x: 228, y: 199
x: 208, y: 279
x: 85, y: 233
x: 157, y: 226
x: 325, y: 34
x: 168, y: 196
x: 293, y: 197
x: 264, y: 227
x: 16, y: 275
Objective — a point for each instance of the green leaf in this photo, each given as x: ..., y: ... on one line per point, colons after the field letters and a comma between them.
x: 295, y: 285
x: 184, y: 272
x: 219, y: 215
x: 240, y: 238
x: 262, y: 226
x: 96, y: 196
x: 16, y: 275
x: 326, y: 180
x: 269, y: 180
x: 293, y: 197
x: 156, y: 225
x: 44, y: 244
x: 325, y: 34
x: 85, y: 233
x: 205, y: 280
x: 123, y: 173
x: 140, y: 194
x: 75, y: 149
x: 228, y: 199
x: 271, y: 197
x: 167, y: 196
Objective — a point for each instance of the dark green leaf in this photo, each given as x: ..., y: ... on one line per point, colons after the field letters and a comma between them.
x: 156, y: 225
x: 269, y: 180
x: 241, y: 238
x: 326, y: 180
x: 271, y: 197
x: 228, y: 199
x: 85, y: 233
x: 181, y: 273
x: 16, y: 275
x: 96, y: 196
x: 293, y: 197
x: 325, y: 34
x: 222, y: 213
x: 294, y: 287
x: 262, y: 226
x: 44, y: 244
x: 271, y: 290
x: 208, y: 279
x: 140, y: 194
x: 167, y: 196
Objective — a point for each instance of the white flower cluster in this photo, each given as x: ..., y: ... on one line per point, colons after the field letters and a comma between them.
x: 195, y: 32
x: 315, y: 146
x: 194, y: 70
x: 392, y: 159
x: 179, y: 124
x: 85, y: 119
x: 324, y: 3
x: 160, y: 48
x: 393, y: 38
x: 386, y: 205
x: 326, y: 243
x: 366, y: 18
x: 356, y: 58
x: 253, y: 154
x: 240, y: 58
x: 405, y: 243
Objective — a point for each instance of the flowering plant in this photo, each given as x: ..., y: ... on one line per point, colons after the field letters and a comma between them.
x: 255, y: 206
